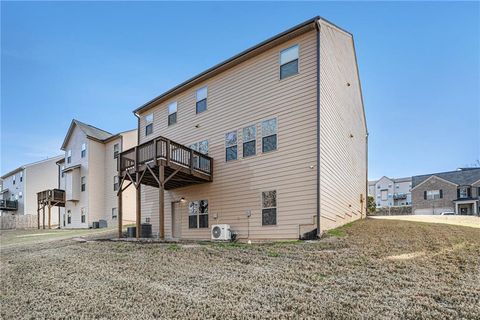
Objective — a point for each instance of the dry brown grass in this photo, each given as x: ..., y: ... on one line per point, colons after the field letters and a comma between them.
x: 375, y: 269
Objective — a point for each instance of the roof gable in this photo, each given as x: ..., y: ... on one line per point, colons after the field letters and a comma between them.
x: 89, y: 130
x: 458, y: 177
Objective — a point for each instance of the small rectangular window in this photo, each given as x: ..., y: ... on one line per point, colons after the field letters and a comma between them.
x: 172, y: 113
x: 84, y: 150
x: 432, y: 194
x: 269, y: 135
x: 21, y: 176
x: 249, y: 141
x: 148, y: 124
x: 83, y: 216
x: 269, y: 208
x: 61, y: 169
x: 69, y: 217
x: 201, y: 104
x: 83, y: 181
x: 231, y: 146
x: 69, y: 156
x: 114, y: 213
x: 14, y: 179
x: 115, y: 183
x: 116, y: 150
x: 198, y: 214
x: 289, y: 62
x: 20, y: 194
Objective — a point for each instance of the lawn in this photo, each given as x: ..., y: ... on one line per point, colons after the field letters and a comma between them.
x: 377, y: 269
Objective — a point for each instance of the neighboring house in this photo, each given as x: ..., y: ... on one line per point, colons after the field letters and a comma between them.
x: 88, y: 174
x: 455, y: 191
x: 20, y: 187
x: 272, y: 142
x: 389, y: 192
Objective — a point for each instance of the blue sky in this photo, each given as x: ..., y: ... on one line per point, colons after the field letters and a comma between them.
x: 97, y: 61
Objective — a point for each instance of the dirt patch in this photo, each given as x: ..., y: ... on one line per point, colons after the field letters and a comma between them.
x: 373, y: 270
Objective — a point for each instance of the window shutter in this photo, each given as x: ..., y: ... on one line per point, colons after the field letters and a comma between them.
x: 425, y: 195
x: 441, y: 193
x: 458, y: 193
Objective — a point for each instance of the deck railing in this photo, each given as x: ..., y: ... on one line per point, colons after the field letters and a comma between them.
x: 54, y: 195
x: 168, y: 150
x: 8, y: 204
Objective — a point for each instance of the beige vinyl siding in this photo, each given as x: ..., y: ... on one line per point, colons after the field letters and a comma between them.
x: 96, y: 181
x: 126, y: 141
x: 242, y: 96
x: 342, y: 158
x: 75, y: 144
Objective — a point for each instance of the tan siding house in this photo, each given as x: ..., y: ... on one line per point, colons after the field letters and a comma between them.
x: 89, y: 168
x: 287, y: 136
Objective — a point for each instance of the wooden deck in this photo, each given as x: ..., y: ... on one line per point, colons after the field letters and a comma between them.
x: 48, y: 199
x: 164, y: 164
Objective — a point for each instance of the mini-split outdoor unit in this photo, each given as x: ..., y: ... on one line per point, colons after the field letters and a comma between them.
x: 221, y: 232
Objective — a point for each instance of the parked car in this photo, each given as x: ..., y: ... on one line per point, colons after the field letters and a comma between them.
x: 447, y: 213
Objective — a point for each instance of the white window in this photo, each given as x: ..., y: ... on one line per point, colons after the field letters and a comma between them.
x: 83, y: 181
x: 115, y: 183
x: 69, y: 216
x: 61, y: 170
x: 116, y: 150
x: 198, y: 214
x: 432, y: 194
x: 20, y: 194
x: 14, y: 178
x: 114, y: 213
x: 148, y: 124
x: 231, y: 146
x: 202, y: 147
x: 69, y: 156
x: 384, y: 195
x: 397, y: 186
x: 21, y: 176
x: 269, y: 135
x: 84, y: 150
x: 83, y: 215
x: 172, y: 113
x: 463, y: 192
x: 289, y: 62
x: 269, y: 208
x: 249, y: 141
x: 201, y: 104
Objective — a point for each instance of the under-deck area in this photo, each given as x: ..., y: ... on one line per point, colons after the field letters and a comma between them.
x: 164, y: 164
x: 48, y: 199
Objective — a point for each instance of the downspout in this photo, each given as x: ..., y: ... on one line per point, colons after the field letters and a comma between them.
x: 317, y: 27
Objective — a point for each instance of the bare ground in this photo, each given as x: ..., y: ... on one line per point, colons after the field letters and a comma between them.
x: 376, y: 269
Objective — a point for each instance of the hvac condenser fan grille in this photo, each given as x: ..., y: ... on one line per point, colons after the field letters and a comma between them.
x: 217, y: 232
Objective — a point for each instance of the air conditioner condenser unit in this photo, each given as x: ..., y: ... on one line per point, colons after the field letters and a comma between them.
x: 221, y: 232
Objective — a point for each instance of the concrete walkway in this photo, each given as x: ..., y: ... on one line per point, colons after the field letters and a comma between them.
x: 466, y: 221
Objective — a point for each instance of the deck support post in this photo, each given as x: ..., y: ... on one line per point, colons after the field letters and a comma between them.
x: 139, y: 207
x: 120, y: 213
x: 49, y: 215
x: 43, y: 216
x: 38, y: 216
x: 161, y: 201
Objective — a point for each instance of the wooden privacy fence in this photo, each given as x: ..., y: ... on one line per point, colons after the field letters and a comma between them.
x: 13, y: 221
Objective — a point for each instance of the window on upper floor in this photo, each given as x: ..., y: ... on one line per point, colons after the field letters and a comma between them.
x: 464, y: 192
x: 384, y: 195
x: 69, y: 156
x: 172, y: 113
x: 114, y: 213
x: 61, y: 170
x: 201, y: 96
x: 116, y: 150
x: 84, y: 150
x: 115, y: 183
x: 198, y: 214
x: 432, y: 194
x: 20, y: 194
x: 269, y: 135
x: 231, y: 146
x: 249, y: 141
x: 397, y: 186
x: 14, y: 179
x: 83, y: 182
x: 269, y: 208
x: 148, y: 124
x: 202, y: 147
x: 21, y: 176
x: 378, y: 187
x: 289, y: 62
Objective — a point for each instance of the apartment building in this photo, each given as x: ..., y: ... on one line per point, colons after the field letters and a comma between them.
x: 272, y: 141
x: 88, y: 174
x: 452, y: 191
x: 391, y: 192
x: 20, y: 187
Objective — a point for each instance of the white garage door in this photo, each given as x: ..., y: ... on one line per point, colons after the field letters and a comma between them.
x: 432, y: 211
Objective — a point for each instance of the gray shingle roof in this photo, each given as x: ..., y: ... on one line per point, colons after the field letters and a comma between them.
x: 465, y: 176
x: 92, y: 131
